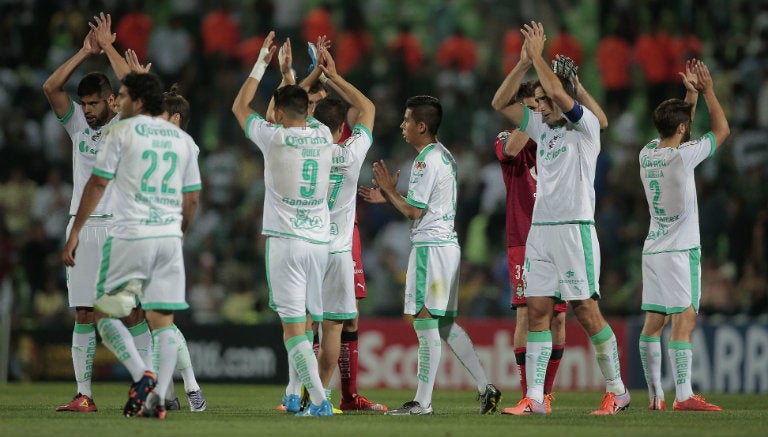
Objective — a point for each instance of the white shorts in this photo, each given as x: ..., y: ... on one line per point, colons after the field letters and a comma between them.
x: 81, y: 279
x: 339, y: 301
x: 672, y: 281
x: 562, y: 261
x: 158, y: 263
x: 295, y: 271
x: 432, y: 280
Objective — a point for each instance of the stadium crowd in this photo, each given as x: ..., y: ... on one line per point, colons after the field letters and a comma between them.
x: 458, y: 51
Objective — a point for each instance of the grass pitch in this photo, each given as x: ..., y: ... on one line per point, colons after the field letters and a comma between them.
x: 249, y: 410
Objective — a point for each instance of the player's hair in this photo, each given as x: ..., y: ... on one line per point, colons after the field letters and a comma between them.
x: 95, y: 83
x: 669, y: 114
x: 426, y: 109
x: 148, y: 88
x: 175, y: 103
x: 316, y: 88
x: 292, y: 99
x: 332, y: 112
x: 527, y: 90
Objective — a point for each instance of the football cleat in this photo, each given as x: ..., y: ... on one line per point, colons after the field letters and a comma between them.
x: 79, y: 404
x: 612, y: 404
x: 548, y: 398
x: 324, y: 410
x: 695, y: 403
x: 290, y: 404
x: 411, y: 408
x: 360, y: 403
x: 173, y: 405
x: 152, y: 408
x: 526, y: 406
x: 137, y: 395
x: 489, y: 399
x: 196, y: 401
x: 657, y: 404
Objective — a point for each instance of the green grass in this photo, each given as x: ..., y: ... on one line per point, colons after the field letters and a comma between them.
x: 234, y: 410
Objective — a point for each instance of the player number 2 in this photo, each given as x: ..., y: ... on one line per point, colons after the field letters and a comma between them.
x: 151, y: 155
x: 656, y: 188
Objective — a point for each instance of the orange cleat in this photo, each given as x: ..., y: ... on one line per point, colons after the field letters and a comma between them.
x: 695, y: 403
x: 657, y: 404
x: 612, y: 404
x: 527, y: 406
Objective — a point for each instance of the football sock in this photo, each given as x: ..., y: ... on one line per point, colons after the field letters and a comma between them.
x: 430, y: 350
x: 300, y: 352
x: 348, y: 365
x: 165, y: 347
x: 681, y: 357
x: 83, y: 352
x: 538, y: 351
x: 520, y: 360
x: 116, y: 338
x: 142, y: 338
x: 184, y: 363
x: 650, y: 357
x: 552, y: 366
x: 461, y: 346
x: 607, y: 355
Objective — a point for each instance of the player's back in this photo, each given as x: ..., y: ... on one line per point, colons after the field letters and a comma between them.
x: 157, y: 164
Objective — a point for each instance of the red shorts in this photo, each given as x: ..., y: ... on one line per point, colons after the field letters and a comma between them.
x: 357, y: 257
x: 516, y: 262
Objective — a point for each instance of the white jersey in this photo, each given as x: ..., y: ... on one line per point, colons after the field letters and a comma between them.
x: 670, y: 189
x: 432, y: 187
x: 342, y: 194
x: 566, y: 158
x: 296, y: 175
x: 153, y: 163
x: 86, y: 142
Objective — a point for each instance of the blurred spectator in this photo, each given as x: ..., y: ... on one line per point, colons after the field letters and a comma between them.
x: 613, y: 58
x: 353, y: 48
x: 512, y: 45
x: 563, y: 43
x: 458, y: 53
x: 16, y: 196
x: 134, y: 29
x: 170, y: 50
x: 319, y: 22
x: 50, y: 303
x: 206, y: 294
x: 651, y: 52
x: 51, y: 205
x: 220, y: 32
x: 405, y: 51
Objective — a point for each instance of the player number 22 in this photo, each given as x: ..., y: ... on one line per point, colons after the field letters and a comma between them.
x: 151, y: 155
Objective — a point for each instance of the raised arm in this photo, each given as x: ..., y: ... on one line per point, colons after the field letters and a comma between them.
x: 534, y: 45
x: 285, y: 59
x: 689, y: 81
x: 503, y: 100
x: 241, y: 106
x: 366, y: 111
x: 102, y: 30
x: 54, y: 85
x: 705, y: 86
x: 586, y: 99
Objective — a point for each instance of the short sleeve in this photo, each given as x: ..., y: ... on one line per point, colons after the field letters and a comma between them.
x: 108, y: 157
x: 694, y: 152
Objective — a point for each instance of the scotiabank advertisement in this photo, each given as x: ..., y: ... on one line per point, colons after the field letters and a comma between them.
x: 388, y: 356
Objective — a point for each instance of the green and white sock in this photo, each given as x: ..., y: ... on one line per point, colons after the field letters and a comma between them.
x: 184, y: 363
x: 83, y: 352
x: 116, y: 338
x: 142, y: 338
x: 165, y: 348
x: 305, y: 362
x: 430, y: 350
x: 607, y: 355
x: 538, y: 349
x: 650, y: 356
x: 461, y: 346
x: 681, y: 358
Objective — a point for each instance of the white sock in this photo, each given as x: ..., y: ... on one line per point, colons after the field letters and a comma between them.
x: 607, y: 355
x: 305, y: 362
x: 83, y: 352
x: 184, y: 363
x: 142, y: 338
x: 650, y: 356
x: 538, y: 349
x: 461, y: 346
x: 165, y: 348
x: 681, y: 358
x: 116, y: 338
x: 430, y: 350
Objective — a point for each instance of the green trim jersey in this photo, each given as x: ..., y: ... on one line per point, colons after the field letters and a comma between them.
x: 153, y: 163
x: 347, y: 159
x: 566, y: 157
x: 86, y: 142
x: 297, y: 177
x: 667, y: 174
x: 432, y: 187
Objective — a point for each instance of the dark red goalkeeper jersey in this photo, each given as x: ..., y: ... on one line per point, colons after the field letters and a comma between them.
x: 520, y: 179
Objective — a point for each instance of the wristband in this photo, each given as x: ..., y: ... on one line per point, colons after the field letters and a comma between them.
x: 323, y: 78
x: 260, y: 67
